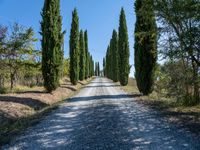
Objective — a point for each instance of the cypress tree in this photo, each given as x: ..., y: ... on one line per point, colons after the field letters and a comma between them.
x: 123, y: 47
x: 90, y: 65
x: 104, y: 66
x: 108, y: 62
x: 111, y: 59
x: 74, y: 48
x: 93, y: 68
x: 52, y: 38
x: 98, y: 69
x: 82, y: 57
x: 145, y: 45
x: 87, y: 55
x: 95, y: 72
x: 115, y: 57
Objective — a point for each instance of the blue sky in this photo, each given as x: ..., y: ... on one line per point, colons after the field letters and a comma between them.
x: 99, y: 17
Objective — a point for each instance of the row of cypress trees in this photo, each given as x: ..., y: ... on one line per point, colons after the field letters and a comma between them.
x: 97, y: 69
x: 116, y: 63
x: 81, y: 62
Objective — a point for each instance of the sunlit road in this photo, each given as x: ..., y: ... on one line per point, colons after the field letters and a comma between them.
x: 103, y: 117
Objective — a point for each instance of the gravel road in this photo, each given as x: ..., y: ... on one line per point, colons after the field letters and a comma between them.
x: 103, y: 117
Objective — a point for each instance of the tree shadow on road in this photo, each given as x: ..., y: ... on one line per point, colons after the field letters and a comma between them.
x: 101, y: 86
x: 104, y: 97
x: 106, y: 126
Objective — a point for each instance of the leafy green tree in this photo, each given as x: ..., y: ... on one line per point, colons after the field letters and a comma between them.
x: 66, y: 68
x: 74, y: 48
x: 145, y: 45
x: 82, y: 57
x: 52, y: 38
x: 3, y: 36
x: 123, y: 47
x: 179, y: 23
x: 19, y: 48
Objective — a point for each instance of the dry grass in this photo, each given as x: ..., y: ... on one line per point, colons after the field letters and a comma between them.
x: 27, y: 106
x: 27, y: 101
x: 160, y: 101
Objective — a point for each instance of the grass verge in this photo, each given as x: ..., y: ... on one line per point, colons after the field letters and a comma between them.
x: 14, y: 127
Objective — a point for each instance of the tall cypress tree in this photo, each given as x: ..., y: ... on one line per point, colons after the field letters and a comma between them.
x: 115, y: 57
x: 111, y: 59
x: 104, y: 66
x: 145, y: 45
x: 98, y: 69
x: 87, y: 55
x: 82, y: 66
x: 93, y: 67
x: 108, y: 62
x: 124, y: 53
x: 95, y: 71
x: 74, y: 48
x: 90, y: 65
x: 52, y: 38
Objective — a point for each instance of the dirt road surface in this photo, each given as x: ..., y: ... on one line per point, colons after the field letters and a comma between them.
x: 103, y: 117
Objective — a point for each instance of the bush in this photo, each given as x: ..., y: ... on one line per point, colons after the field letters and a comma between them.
x: 4, y: 90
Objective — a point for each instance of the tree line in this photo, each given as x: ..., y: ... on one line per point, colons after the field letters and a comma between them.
x: 116, y: 63
x: 81, y: 64
x: 81, y: 61
x: 19, y: 61
x: 170, y: 30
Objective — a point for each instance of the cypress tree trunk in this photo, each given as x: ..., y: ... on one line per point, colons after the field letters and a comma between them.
x: 74, y: 48
x: 82, y: 57
x: 52, y: 36
x: 124, y: 53
x: 145, y: 45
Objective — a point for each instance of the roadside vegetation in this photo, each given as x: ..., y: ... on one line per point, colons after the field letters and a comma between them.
x: 116, y: 62
x: 34, y: 81
x: 166, y: 51
x: 166, y: 61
